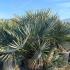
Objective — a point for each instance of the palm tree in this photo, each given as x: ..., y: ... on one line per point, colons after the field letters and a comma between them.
x: 32, y: 37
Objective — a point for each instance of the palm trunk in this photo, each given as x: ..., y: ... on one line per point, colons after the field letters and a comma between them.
x: 47, y: 62
x: 50, y: 56
x: 8, y: 64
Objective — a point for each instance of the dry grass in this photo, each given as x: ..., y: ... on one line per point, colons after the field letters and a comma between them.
x: 64, y: 68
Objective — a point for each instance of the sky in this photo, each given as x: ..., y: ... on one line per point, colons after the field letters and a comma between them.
x: 10, y: 8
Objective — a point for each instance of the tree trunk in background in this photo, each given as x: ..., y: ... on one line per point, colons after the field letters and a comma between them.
x: 1, y: 65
